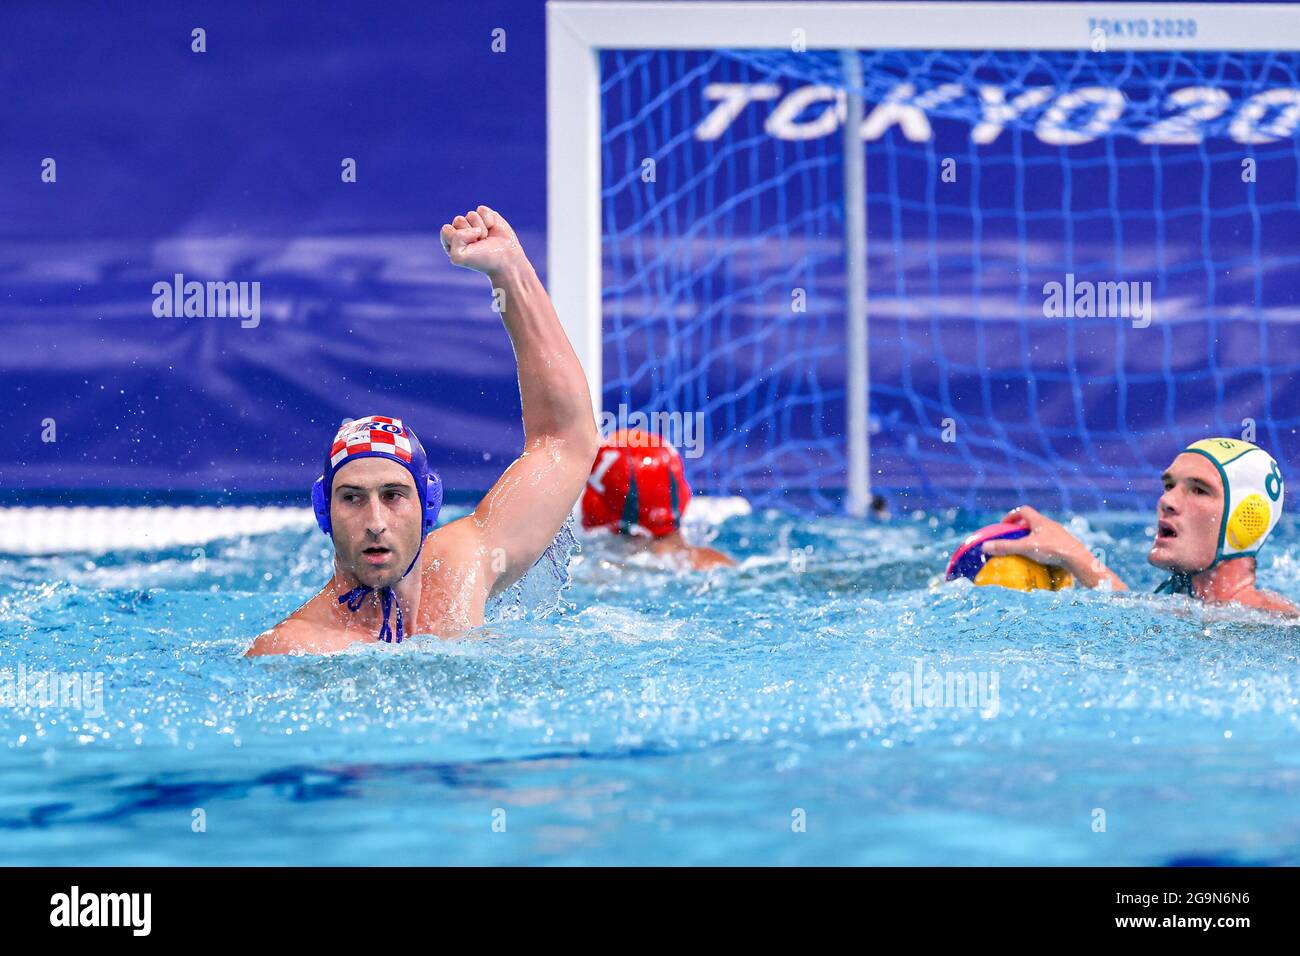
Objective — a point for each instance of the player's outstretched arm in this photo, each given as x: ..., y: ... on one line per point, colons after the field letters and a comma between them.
x: 1049, y: 543
x: 529, y: 503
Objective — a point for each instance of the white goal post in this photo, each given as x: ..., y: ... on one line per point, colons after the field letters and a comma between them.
x: 577, y: 31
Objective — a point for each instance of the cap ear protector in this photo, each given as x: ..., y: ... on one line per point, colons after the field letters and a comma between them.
x: 431, y: 501
x: 1248, y: 522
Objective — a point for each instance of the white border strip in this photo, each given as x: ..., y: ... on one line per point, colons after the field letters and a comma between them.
x: 922, y: 26
x: 60, y: 530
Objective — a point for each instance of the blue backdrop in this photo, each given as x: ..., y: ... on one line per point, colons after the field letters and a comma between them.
x: 227, y: 165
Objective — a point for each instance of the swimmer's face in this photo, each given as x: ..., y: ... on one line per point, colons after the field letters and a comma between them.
x: 377, y: 520
x: 1188, y: 516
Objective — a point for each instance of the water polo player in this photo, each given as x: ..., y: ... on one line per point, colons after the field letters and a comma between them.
x: 378, y: 498
x: 637, y: 489
x: 1223, y: 498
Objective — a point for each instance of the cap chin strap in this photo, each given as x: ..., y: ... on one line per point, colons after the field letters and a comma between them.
x: 1180, y: 582
x: 357, y: 596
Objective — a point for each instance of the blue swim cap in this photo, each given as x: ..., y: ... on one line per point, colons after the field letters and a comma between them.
x: 378, y: 437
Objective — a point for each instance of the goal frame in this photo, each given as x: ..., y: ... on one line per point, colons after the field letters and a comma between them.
x: 577, y: 31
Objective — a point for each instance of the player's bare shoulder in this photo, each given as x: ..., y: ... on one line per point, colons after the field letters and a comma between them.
x: 1273, y: 603
x: 456, y: 578
x: 300, y: 635
x: 453, y: 547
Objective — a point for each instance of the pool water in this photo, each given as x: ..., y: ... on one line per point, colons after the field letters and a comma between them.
x: 810, y: 707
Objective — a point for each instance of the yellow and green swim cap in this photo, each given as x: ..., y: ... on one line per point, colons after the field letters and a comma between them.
x: 1252, y: 494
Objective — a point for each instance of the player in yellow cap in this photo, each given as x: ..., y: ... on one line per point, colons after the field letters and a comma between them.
x: 1223, y: 498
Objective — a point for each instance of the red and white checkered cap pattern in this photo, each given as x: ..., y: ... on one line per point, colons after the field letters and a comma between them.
x: 385, y: 436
